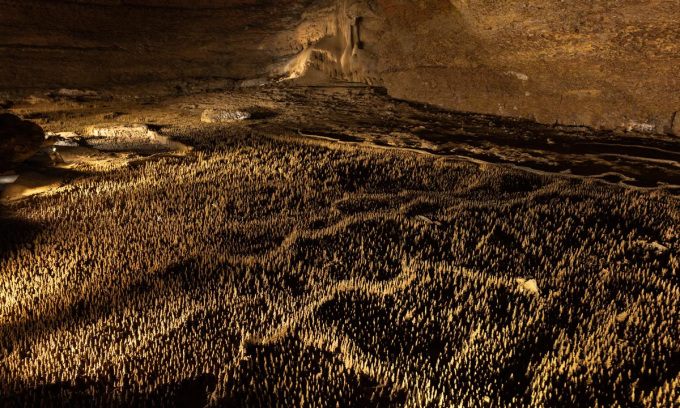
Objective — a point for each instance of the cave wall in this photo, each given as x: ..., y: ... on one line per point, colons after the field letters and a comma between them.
x: 610, y: 64
x: 602, y: 63
x: 96, y: 44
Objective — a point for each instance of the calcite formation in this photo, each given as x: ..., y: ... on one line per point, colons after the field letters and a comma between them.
x: 126, y: 137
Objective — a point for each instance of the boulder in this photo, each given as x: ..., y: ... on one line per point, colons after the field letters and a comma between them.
x: 528, y: 285
x: 133, y: 137
x: 122, y: 138
x: 19, y: 140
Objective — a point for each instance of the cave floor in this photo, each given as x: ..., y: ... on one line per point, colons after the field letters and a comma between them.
x: 338, y: 248
x: 363, y: 115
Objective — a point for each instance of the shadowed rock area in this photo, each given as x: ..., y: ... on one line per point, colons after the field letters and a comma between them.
x: 19, y: 140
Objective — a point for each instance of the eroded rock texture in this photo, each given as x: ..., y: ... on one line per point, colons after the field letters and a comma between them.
x: 599, y: 63
x: 602, y: 63
x: 610, y: 64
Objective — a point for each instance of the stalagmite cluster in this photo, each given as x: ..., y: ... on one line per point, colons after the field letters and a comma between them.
x: 268, y: 270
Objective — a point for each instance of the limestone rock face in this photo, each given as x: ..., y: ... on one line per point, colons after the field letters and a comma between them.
x: 19, y: 140
x: 600, y: 63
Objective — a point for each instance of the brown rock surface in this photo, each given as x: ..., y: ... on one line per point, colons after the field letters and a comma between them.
x: 19, y: 140
x: 102, y: 43
x: 598, y: 63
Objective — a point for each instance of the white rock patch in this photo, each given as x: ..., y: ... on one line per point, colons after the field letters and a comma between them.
x: 223, y: 115
x: 127, y: 138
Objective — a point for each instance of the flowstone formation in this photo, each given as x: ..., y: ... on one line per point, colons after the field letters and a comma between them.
x: 223, y: 115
